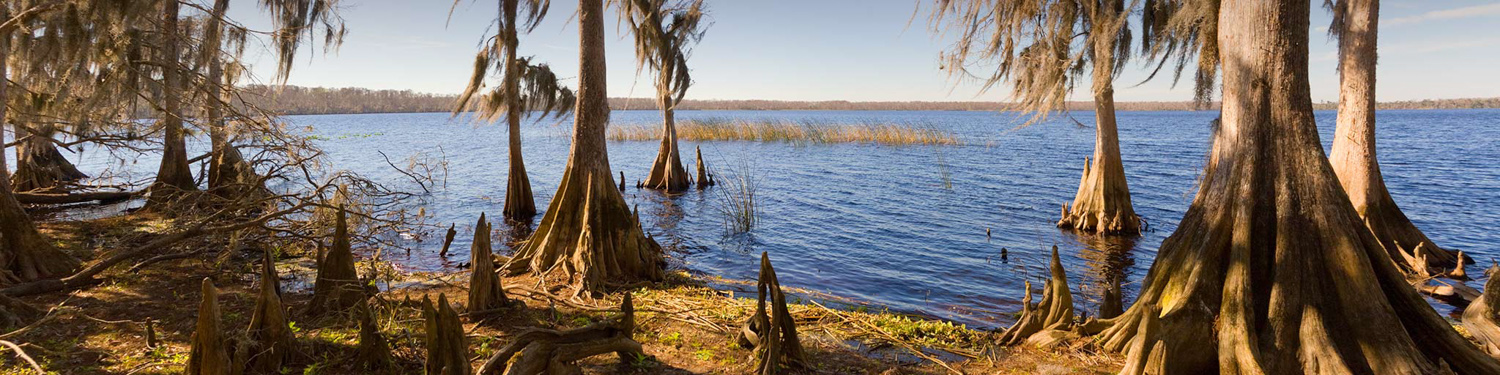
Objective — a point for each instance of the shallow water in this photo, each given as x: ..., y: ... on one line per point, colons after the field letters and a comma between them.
x: 879, y: 225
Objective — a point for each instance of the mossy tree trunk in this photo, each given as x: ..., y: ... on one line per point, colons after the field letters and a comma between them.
x: 1102, y: 204
x: 228, y: 174
x: 39, y: 166
x: 1353, y: 154
x: 588, y: 233
x: 1270, y: 270
x: 174, y: 176
x: 25, y: 255
x: 519, y: 203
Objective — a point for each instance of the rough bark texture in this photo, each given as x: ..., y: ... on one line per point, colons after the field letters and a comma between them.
x: 1353, y: 154
x: 210, y: 350
x: 667, y: 172
x: 338, y: 286
x: 374, y: 353
x: 546, y: 351
x: 447, y: 346
x: 772, y: 334
x: 174, y: 176
x: 1482, y: 318
x: 519, y: 203
x: 39, y: 166
x: 24, y: 254
x: 1270, y: 270
x: 588, y: 232
x: 1102, y: 204
x: 704, y: 179
x: 485, y: 289
x: 1042, y: 322
x: 270, y: 338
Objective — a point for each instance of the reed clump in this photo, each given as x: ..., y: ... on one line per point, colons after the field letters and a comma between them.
x: 801, y: 132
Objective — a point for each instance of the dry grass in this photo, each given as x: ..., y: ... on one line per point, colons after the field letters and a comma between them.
x: 801, y: 132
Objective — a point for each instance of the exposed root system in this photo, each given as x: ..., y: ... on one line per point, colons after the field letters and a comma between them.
x: 546, y: 351
x: 773, y: 335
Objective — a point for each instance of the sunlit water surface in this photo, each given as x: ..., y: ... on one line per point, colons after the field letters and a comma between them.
x: 904, y: 227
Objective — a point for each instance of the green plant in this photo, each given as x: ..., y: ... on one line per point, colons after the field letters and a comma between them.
x: 704, y: 354
x: 673, y: 338
x: 737, y: 200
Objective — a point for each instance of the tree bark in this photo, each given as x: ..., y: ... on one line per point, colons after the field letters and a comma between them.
x: 209, y: 353
x: 1353, y: 155
x: 39, y: 166
x: 24, y: 254
x: 174, y: 176
x: 1271, y: 271
x: 519, y: 203
x: 1102, y: 204
x: 667, y: 172
x: 589, y: 233
x: 447, y: 346
x: 270, y: 337
x: 337, y: 287
x: 1482, y: 318
x: 485, y: 290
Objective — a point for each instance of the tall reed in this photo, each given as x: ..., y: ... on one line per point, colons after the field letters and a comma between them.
x: 804, y: 131
x: 737, y: 200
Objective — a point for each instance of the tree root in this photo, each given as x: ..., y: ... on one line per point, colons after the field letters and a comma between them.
x: 447, y: 347
x: 39, y: 166
x: 270, y: 339
x: 210, y: 353
x: 1102, y: 204
x: 337, y: 287
x: 1046, y: 323
x: 373, y: 353
x: 704, y: 178
x: 774, y: 336
x: 485, y: 290
x: 1482, y: 318
x: 546, y: 351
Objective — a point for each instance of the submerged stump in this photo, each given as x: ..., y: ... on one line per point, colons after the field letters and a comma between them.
x: 1048, y: 321
x: 704, y: 180
x: 448, y: 240
x: 447, y: 347
x: 270, y: 338
x: 547, y: 351
x: 773, y: 334
x: 485, y: 290
x: 337, y: 287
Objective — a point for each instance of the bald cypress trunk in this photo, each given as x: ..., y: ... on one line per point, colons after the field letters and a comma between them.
x: 174, y: 176
x: 589, y: 233
x: 39, y: 166
x: 24, y: 254
x: 519, y: 203
x: 1271, y: 270
x: 667, y: 172
x: 1353, y: 155
x: 1102, y: 204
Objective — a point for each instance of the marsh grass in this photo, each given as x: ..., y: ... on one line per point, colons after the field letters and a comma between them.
x: 798, y: 132
x: 737, y: 202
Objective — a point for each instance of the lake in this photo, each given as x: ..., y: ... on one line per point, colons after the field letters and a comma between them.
x: 904, y: 227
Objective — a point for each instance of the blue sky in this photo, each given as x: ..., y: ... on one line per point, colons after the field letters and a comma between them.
x: 858, y: 50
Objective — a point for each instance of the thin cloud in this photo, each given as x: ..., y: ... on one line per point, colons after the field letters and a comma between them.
x: 1446, y: 14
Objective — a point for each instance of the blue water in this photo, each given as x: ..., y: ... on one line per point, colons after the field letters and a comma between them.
x: 879, y: 225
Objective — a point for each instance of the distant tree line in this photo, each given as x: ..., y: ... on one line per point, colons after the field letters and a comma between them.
x: 297, y: 100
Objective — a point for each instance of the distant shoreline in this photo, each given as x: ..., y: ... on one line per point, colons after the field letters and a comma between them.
x: 296, y: 100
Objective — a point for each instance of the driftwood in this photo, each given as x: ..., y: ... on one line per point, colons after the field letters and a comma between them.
x: 448, y: 240
x: 547, y: 351
x: 485, y: 290
x: 447, y: 347
x: 210, y: 350
x: 1049, y: 321
x: 1482, y: 318
x: 373, y: 353
x: 270, y: 339
x: 337, y: 287
x: 68, y: 198
x: 773, y: 336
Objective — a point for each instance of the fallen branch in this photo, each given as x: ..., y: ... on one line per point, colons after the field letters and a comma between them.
x: 67, y: 198
x: 22, y: 354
